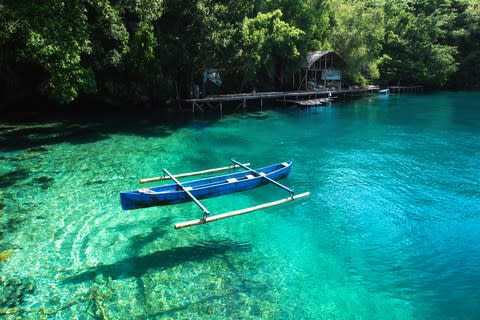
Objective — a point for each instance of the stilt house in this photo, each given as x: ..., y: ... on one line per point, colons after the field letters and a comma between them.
x: 321, y: 71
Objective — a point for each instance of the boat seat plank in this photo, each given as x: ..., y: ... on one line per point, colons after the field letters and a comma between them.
x: 146, y: 191
x: 230, y: 180
x: 249, y: 176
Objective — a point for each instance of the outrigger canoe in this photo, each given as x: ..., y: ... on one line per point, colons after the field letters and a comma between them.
x: 203, y: 188
x: 209, y: 187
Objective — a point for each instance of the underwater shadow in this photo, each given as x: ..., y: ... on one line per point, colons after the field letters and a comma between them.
x: 91, y: 125
x: 140, y: 241
x: 13, y: 177
x: 37, y: 135
x: 77, y: 133
x: 161, y: 260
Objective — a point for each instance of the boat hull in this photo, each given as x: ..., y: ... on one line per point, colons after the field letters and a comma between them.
x: 203, y: 188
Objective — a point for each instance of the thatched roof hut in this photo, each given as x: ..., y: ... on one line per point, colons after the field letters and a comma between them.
x: 322, y: 68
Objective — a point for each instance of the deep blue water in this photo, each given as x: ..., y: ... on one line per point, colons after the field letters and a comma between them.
x: 391, y: 229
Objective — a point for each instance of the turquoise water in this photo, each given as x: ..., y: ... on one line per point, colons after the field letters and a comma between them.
x: 391, y: 229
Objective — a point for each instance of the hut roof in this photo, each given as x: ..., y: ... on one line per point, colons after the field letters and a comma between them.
x: 313, y: 56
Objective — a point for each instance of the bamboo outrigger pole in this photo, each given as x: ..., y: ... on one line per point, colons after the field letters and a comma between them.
x: 237, y: 212
x: 189, y: 174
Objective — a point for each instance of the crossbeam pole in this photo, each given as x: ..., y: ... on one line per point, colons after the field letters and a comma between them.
x: 263, y: 176
x: 204, y: 209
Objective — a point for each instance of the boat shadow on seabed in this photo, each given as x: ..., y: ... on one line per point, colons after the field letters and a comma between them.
x: 160, y: 260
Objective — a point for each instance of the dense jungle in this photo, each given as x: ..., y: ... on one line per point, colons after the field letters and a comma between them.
x: 149, y: 52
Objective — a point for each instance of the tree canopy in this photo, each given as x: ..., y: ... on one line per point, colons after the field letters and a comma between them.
x: 145, y: 51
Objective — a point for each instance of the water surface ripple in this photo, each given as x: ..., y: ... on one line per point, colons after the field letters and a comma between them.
x: 390, y: 230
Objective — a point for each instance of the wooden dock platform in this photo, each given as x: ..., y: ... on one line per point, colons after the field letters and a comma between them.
x: 405, y: 89
x: 216, y: 101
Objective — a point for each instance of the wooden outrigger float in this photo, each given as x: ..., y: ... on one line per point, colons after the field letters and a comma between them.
x: 209, y: 187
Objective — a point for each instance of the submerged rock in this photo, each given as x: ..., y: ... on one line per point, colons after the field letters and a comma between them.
x: 37, y: 149
x: 6, y: 311
x: 5, y: 255
x: 95, y: 182
x: 9, y: 224
x: 13, y: 222
x: 11, y: 178
x: 44, y: 181
x: 13, y: 291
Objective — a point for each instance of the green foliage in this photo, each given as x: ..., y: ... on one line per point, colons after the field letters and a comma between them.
x: 56, y: 38
x: 311, y: 16
x: 8, y: 27
x: 143, y: 67
x: 144, y: 51
x: 356, y: 35
x: 269, y: 46
x: 466, y: 36
x: 415, y: 43
x: 219, y: 33
x: 147, y: 10
x: 8, y: 24
x: 108, y: 34
x: 126, y: 56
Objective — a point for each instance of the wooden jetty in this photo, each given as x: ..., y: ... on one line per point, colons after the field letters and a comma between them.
x: 405, y: 89
x: 217, y: 101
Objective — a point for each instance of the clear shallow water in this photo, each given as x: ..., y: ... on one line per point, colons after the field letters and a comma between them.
x: 391, y: 229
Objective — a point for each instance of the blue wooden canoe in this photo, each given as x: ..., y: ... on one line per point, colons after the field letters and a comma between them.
x: 203, y: 188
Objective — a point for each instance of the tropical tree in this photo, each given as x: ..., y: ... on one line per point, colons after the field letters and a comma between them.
x: 415, y: 45
x: 269, y: 46
x: 144, y: 51
x: 55, y: 37
x: 465, y: 34
x: 356, y: 35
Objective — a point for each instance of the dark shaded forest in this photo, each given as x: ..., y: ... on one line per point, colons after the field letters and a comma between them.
x: 149, y: 52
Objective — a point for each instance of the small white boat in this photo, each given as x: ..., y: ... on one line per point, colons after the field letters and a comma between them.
x: 384, y: 92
